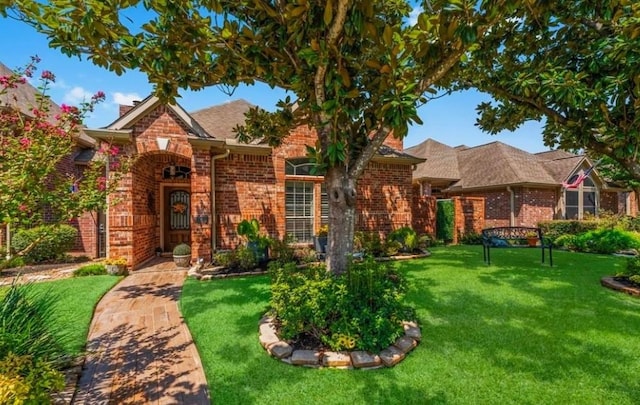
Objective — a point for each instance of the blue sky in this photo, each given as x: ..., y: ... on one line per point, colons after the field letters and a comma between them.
x: 449, y: 120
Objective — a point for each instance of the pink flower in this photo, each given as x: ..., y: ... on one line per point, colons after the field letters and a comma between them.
x: 66, y: 109
x: 102, y: 183
x: 99, y: 96
x: 47, y: 75
x: 25, y: 142
x: 113, y: 151
x: 22, y: 207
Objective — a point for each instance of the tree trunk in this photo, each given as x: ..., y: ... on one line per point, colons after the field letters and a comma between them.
x: 341, y: 192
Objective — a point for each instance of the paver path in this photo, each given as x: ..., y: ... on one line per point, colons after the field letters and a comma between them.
x: 139, y: 348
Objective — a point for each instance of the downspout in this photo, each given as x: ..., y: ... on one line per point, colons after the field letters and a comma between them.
x: 512, y: 206
x: 214, y: 235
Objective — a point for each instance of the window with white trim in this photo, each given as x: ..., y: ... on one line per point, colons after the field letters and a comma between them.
x: 582, y: 200
x: 306, y: 201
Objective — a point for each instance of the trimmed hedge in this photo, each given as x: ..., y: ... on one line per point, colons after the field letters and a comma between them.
x: 444, y: 220
x: 556, y: 228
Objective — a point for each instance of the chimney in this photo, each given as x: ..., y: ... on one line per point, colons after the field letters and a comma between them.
x: 126, y: 108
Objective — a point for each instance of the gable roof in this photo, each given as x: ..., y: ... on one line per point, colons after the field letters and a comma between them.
x: 492, y: 165
x: 220, y: 120
x: 441, y: 163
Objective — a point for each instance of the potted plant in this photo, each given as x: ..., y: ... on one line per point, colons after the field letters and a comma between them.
x: 532, y: 238
x: 320, y: 241
x: 182, y: 255
x: 116, y: 266
x: 158, y: 251
x: 257, y: 243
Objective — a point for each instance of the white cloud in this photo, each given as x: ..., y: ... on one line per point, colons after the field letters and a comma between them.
x: 77, y: 95
x: 125, y: 98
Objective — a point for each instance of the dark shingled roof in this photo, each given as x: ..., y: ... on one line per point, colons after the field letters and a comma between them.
x: 220, y: 120
x: 492, y: 165
x: 441, y: 163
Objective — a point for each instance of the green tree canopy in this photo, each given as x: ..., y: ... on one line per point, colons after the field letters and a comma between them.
x: 574, y: 63
x: 357, y: 70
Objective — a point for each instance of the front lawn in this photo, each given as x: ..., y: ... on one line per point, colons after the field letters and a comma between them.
x: 512, y: 332
x: 76, y: 299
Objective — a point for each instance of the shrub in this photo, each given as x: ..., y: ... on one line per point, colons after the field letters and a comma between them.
x: 566, y: 241
x: 282, y: 251
x: 606, y: 241
x: 245, y: 258
x: 49, y: 242
x: 182, y: 250
x: 406, y: 236
x: 95, y: 269
x: 553, y: 229
x: 15, y: 261
x: 368, y: 243
x: 27, y: 319
x: 471, y: 238
x: 225, y: 259
x: 360, y: 309
x: 29, y: 381
x: 444, y: 220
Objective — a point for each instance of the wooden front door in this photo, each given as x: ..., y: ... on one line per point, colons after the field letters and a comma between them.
x: 177, y: 217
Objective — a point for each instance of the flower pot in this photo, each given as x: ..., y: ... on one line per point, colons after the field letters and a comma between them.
x: 532, y: 241
x: 182, y: 261
x: 116, y: 270
x: 261, y: 253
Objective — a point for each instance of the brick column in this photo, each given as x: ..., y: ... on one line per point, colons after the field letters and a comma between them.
x: 201, y: 216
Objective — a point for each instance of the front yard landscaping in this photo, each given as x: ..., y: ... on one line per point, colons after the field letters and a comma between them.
x: 513, y: 332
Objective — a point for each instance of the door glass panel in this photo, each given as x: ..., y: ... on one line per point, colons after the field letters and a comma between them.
x: 179, y: 210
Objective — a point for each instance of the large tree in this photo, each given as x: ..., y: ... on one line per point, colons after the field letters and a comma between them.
x: 358, y: 70
x: 575, y: 64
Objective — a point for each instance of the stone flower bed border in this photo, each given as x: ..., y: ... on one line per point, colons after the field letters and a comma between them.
x: 613, y: 284
x: 388, y: 357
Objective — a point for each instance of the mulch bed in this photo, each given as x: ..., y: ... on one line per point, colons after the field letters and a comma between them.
x: 622, y: 284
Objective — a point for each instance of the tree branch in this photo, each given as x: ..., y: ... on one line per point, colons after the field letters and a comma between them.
x: 527, y: 101
x: 360, y: 164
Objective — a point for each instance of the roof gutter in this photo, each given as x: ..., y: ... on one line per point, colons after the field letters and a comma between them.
x: 214, y: 217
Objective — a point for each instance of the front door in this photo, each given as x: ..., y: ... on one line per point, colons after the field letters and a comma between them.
x: 177, y: 217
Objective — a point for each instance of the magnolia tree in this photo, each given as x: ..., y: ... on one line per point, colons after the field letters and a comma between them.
x: 35, y: 188
x: 575, y: 64
x: 357, y: 70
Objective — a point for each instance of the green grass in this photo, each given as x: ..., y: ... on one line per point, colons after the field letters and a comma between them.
x: 515, y: 332
x: 73, y: 308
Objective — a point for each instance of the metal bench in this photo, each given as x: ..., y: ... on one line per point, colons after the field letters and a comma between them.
x: 502, y: 236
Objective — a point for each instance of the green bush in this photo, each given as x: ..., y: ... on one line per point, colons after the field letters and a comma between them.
x: 27, y: 319
x: 51, y: 242
x: 406, y: 236
x: 553, y: 229
x: 444, y: 220
x: 282, y: 251
x: 606, y: 241
x: 471, y: 238
x: 24, y: 380
x: 15, y: 261
x: 242, y: 258
x: 368, y: 243
x: 566, y: 241
x: 182, y: 250
x: 360, y: 309
x: 90, y: 270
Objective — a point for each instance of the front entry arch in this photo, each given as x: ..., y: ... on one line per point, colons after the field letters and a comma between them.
x: 177, y: 216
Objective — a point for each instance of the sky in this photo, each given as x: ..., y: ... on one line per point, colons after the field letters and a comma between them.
x: 449, y: 119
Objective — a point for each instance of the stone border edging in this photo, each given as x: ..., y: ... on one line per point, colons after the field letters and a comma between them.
x: 611, y: 283
x: 388, y: 357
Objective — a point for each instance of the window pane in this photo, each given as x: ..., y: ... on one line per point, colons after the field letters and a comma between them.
x: 571, y: 213
x: 572, y: 198
x: 299, y: 210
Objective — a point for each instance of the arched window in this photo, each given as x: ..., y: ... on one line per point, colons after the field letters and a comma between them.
x: 176, y: 172
x: 582, y: 200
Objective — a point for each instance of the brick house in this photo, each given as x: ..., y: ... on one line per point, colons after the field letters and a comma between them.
x: 194, y: 182
x: 518, y: 188
x: 24, y: 98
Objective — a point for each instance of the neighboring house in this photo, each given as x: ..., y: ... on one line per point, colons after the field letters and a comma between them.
x: 519, y: 188
x: 193, y: 182
x: 24, y: 98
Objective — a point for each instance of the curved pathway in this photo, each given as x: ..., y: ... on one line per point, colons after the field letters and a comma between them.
x: 139, y: 348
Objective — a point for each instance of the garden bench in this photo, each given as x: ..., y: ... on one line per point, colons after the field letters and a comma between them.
x: 514, y: 236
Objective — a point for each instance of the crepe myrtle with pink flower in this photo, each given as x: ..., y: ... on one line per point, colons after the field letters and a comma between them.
x: 36, y: 186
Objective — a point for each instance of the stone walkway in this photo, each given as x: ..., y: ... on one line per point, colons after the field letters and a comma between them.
x: 139, y: 348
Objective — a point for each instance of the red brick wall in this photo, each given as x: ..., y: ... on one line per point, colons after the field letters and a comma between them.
x: 609, y: 202
x: 384, y: 198
x: 534, y: 205
x: 423, y: 213
x: 469, y: 216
